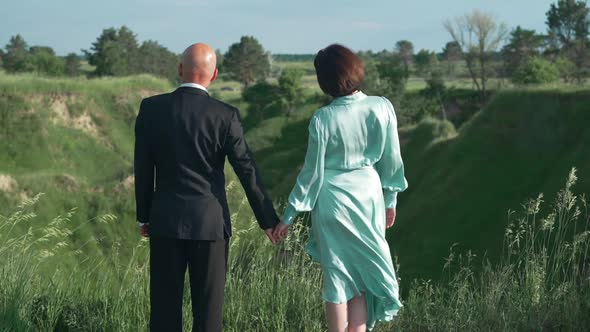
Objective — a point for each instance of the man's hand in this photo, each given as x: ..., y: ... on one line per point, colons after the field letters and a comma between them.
x: 270, y: 234
x: 389, y: 217
x: 281, y: 230
x: 144, y: 230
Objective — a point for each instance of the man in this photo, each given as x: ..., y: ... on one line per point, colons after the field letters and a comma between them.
x: 183, y: 138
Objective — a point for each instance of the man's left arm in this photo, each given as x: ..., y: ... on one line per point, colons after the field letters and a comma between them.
x: 243, y: 163
x: 143, y: 168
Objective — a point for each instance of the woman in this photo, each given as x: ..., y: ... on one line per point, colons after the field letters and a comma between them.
x: 352, y: 173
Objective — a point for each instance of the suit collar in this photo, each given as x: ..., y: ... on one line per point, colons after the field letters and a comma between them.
x: 193, y: 85
x: 191, y: 90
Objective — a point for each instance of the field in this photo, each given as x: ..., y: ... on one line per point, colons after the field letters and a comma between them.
x: 541, y: 282
x: 71, y: 259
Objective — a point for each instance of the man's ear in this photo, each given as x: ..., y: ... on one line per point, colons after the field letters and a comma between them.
x: 180, y: 70
x: 214, y: 77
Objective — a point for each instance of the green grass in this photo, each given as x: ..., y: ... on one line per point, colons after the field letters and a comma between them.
x: 541, y: 283
x: 72, y: 139
x: 520, y: 145
x: 87, y: 270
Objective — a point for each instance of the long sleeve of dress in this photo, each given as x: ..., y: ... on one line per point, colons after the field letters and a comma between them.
x: 309, y: 182
x: 391, y: 167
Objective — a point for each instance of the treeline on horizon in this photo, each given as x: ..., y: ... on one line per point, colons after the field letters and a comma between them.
x: 485, y: 45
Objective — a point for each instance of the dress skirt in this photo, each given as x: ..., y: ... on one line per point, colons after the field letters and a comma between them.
x: 348, y: 240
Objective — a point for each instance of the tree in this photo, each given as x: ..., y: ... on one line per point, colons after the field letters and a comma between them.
x: 2, y: 55
x: 523, y: 45
x: 479, y: 35
x: 425, y: 61
x: 372, y: 82
x: 393, y: 74
x: 567, y: 69
x: 568, y: 26
x: 259, y: 96
x: 114, y: 53
x: 17, y: 58
x: 290, y: 88
x: 451, y: 53
x: 44, y: 61
x: 72, y: 65
x: 405, y: 49
x: 247, y: 61
x: 435, y: 88
x: 536, y: 71
x: 219, y: 57
x: 157, y: 60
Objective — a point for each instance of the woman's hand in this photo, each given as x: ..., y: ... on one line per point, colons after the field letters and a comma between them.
x: 280, y: 232
x: 389, y: 217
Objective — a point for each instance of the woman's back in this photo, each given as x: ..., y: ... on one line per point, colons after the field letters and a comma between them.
x: 352, y: 173
x: 355, y: 129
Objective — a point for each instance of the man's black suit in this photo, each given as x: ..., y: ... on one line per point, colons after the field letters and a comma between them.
x: 182, y: 140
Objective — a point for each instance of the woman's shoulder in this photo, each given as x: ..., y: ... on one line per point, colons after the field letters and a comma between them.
x: 322, y: 113
x: 384, y: 104
x: 380, y: 101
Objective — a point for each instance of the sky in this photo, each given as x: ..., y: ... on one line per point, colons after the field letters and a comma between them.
x: 302, y: 26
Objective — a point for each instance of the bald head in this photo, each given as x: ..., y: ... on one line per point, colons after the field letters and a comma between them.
x: 198, y: 65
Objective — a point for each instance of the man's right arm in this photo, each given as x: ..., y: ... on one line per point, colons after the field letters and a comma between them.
x: 143, y: 168
x: 243, y: 163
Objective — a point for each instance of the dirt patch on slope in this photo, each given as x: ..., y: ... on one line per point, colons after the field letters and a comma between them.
x: 7, y: 183
x: 61, y: 115
x: 127, y: 184
x: 67, y: 182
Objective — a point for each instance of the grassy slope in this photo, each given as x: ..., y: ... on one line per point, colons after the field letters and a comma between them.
x: 461, y: 188
x: 522, y: 144
x: 72, y: 139
x: 45, y: 146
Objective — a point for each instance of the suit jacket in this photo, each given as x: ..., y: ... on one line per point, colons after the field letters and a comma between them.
x: 183, y: 138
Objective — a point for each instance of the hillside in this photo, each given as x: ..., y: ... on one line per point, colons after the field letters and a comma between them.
x: 73, y: 141
x: 461, y: 188
x: 463, y: 183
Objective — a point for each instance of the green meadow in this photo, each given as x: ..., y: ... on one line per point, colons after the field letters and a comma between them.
x: 492, y: 234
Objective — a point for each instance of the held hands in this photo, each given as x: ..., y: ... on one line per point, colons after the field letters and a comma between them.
x: 389, y: 217
x: 269, y: 233
x: 281, y: 230
x: 278, y: 233
x: 144, y: 230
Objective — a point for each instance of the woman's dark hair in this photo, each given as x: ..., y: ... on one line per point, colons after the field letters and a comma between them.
x: 339, y: 70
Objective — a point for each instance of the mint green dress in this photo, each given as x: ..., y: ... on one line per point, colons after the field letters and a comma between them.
x: 353, y: 170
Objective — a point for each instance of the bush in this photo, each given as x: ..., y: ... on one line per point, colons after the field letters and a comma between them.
x: 536, y: 71
x: 260, y: 96
x: 430, y: 129
x: 566, y: 68
x: 45, y: 62
x: 290, y: 88
x: 414, y: 107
